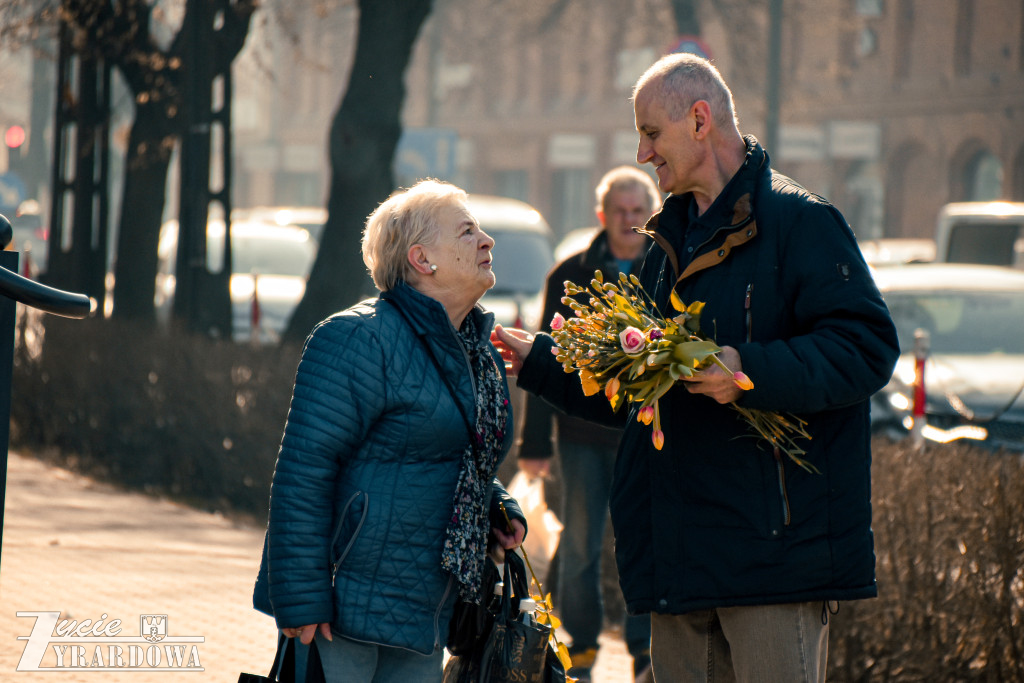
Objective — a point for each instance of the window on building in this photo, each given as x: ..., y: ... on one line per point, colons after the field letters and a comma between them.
x: 299, y: 189
x: 904, y: 29
x: 962, y: 41
x: 983, y: 178
x: 866, y: 196
x: 572, y: 200
x: 1017, y: 187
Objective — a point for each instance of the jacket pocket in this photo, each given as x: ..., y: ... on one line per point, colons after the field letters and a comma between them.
x: 357, y: 504
x: 783, y: 514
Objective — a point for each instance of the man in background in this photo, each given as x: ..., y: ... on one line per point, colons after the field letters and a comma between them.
x: 626, y: 198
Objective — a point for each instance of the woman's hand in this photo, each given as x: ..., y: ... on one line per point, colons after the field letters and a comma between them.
x: 514, y: 345
x: 513, y: 539
x: 306, y: 633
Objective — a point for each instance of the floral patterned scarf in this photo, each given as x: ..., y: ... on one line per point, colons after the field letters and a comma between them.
x: 465, y: 543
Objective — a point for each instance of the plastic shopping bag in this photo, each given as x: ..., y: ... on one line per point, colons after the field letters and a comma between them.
x: 542, y: 523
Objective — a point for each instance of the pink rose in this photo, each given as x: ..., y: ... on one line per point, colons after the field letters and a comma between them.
x: 632, y: 340
x: 558, y: 322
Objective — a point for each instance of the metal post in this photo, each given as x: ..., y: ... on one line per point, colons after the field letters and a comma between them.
x: 922, y: 342
x: 773, y: 86
x: 15, y: 288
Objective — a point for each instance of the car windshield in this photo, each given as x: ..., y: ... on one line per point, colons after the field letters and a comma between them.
x: 960, y: 322
x: 521, y: 261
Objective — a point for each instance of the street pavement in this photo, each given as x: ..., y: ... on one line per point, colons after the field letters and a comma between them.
x: 85, y: 553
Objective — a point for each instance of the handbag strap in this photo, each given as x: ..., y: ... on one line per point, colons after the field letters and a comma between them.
x: 279, y: 670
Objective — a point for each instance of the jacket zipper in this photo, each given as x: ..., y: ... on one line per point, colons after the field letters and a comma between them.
x: 748, y: 313
x: 437, y: 613
x: 783, y: 494
x: 336, y: 565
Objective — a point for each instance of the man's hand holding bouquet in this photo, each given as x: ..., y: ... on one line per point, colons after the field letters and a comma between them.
x: 620, y: 344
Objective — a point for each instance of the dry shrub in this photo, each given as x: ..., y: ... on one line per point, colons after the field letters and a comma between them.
x: 186, y: 416
x: 201, y: 420
x: 949, y: 537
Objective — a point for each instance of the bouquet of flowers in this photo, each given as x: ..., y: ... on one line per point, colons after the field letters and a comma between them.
x: 621, y: 344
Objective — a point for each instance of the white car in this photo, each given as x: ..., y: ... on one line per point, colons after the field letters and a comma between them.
x: 311, y: 218
x: 974, y: 369
x: 270, y: 265
x: 523, y: 256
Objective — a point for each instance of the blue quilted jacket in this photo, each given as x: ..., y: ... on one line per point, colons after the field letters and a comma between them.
x: 365, y: 478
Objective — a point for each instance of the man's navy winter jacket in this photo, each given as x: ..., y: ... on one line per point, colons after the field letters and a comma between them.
x: 716, y: 518
x: 365, y: 479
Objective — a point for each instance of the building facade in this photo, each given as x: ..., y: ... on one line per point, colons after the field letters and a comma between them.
x: 890, y: 108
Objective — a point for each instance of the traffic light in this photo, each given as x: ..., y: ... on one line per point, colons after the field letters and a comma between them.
x: 14, y: 137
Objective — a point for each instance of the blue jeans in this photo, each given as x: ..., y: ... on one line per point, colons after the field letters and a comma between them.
x: 586, y: 484
x: 348, y: 661
x: 760, y: 644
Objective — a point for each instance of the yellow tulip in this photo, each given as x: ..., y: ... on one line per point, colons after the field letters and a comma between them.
x: 589, y: 382
x: 658, y: 437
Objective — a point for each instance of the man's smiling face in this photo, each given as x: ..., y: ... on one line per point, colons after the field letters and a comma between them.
x: 667, y: 145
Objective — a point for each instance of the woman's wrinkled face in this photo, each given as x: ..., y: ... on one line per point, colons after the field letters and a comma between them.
x: 462, y: 253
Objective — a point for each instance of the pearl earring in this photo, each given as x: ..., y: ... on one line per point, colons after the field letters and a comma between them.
x: 433, y: 267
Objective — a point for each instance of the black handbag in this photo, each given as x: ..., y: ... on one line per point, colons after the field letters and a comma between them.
x: 283, y: 669
x: 472, y: 622
x: 514, y: 651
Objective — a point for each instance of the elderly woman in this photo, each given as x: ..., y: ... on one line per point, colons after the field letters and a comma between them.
x: 384, y: 489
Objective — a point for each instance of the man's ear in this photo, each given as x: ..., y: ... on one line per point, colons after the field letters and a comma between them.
x: 600, y: 216
x: 417, y: 257
x: 701, y: 112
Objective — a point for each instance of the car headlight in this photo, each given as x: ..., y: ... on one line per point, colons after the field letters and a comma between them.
x: 900, y: 402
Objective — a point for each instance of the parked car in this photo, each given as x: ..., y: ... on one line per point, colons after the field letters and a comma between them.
x: 273, y: 261
x: 311, y: 218
x: 974, y: 372
x: 896, y: 250
x: 989, y: 233
x: 523, y: 255
x: 574, y: 241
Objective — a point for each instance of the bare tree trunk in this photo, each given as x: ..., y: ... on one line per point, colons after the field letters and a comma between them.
x: 363, y: 138
x: 149, y: 154
x: 120, y: 33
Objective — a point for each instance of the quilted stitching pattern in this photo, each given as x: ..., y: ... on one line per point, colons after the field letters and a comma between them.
x: 371, y: 414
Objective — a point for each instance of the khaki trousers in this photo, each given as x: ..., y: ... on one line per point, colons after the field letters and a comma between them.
x: 761, y: 644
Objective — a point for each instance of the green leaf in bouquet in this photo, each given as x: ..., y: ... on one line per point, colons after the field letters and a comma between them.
x: 637, y: 367
x: 677, y: 370
x: 693, y: 353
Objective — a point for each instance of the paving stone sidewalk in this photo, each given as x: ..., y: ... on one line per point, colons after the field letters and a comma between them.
x: 86, y: 549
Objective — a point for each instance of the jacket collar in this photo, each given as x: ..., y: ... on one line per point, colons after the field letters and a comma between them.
x: 427, y: 315
x: 731, y: 211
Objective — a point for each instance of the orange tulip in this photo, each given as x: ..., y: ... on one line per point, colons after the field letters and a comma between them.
x: 611, y: 388
x: 742, y: 381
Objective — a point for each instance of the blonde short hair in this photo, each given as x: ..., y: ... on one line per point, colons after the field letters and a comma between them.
x: 405, y: 218
x: 625, y: 178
